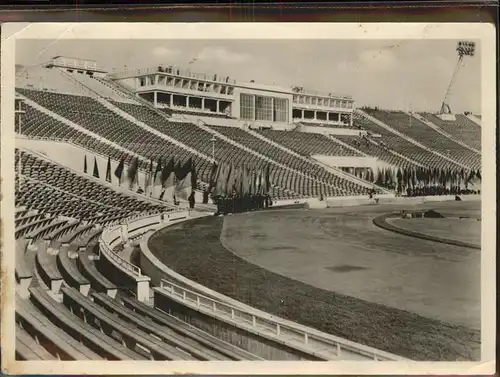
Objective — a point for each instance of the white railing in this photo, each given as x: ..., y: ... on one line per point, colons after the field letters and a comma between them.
x: 122, y: 263
x: 111, y: 233
x: 174, y: 71
x: 331, y: 348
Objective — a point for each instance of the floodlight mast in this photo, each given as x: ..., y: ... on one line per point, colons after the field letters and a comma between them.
x: 464, y: 48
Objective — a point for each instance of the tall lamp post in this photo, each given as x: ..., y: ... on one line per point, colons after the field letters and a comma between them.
x: 464, y: 48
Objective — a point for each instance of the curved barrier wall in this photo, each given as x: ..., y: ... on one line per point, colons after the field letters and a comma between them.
x: 381, y: 222
x: 173, y: 288
x: 119, y: 270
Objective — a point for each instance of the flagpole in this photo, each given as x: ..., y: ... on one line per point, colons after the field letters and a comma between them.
x: 213, y: 147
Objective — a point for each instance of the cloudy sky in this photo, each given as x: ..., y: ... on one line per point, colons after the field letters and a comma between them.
x: 392, y: 74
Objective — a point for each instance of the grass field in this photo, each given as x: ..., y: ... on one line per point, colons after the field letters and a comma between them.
x: 466, y: 230
x: 194, y: 249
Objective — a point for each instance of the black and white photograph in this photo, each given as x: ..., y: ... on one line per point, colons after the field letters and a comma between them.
x: 183, y: 193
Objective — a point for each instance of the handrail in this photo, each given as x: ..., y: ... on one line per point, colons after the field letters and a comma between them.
x: 105, y: 249
x: 234, y: 314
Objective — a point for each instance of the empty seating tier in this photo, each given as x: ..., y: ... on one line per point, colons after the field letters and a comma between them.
x: 75, y: 326
x: 374, y: 149
x: 428, y: 137
x: 90, y: 114
x: 232, y: 352
x: 308, y: 144
x: 57, y: 340
x: 69, y: 271
x: 166, y: 334
x: 93, y: 116
x: 403, y: 146
x: 130, y: 335
x: 51, y: 188
x: 27, y: 347
x: 97, y: 280
x: 462, y: 129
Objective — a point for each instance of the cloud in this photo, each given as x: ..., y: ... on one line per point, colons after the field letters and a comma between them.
x: 163, y: 52
x: 222, y: 54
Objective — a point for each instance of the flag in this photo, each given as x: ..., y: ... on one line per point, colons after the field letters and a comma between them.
x: 132, y: 173
x: 181, y: 171
x: 380, y: 177
x: 214, y: 173
x: 225, y: 186
x: 157, y: 170
x: 388, y: 180
x: 148, y: 177
x: 108, y: 171
x: 85, y: 164
x: 167, y: 173
x: 119, y: 170
x: 156, y: 189
x: 194, y: 176
x: 251, y: 182
x: 266, y: 180
x: 258, y: 182
x: 186, y: 179
x: 245, y: 181
x: 234, y: 180
x: 96, y: 169
x: 220, y: 179
x: 399, y: 176
x: 170, y: 178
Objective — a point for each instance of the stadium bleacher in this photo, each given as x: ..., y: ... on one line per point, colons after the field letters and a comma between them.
x: 403, y: 146
x: 462, y: 128
x: 93, y: 116
x: 67, y: 307
x: 425, y: 135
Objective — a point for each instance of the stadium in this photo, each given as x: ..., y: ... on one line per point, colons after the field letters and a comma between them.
x: 166, y: 214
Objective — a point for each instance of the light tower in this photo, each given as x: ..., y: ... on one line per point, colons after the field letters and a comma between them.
x: 464, y: 48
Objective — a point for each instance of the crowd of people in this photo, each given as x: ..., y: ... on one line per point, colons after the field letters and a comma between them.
x: 236, y: 203
x: 439, y: 190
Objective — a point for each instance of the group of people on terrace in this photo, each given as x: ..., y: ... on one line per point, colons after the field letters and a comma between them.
x: 237, y: 203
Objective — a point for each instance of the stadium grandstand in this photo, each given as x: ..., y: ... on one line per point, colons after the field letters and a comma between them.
x: 105, y: 160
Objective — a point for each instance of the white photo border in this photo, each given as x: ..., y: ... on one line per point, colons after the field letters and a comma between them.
x: 485, y: 33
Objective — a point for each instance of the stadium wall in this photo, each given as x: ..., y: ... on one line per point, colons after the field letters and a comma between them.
x: 329, y: 130
x: 243, y: 337
x: 345, y: 161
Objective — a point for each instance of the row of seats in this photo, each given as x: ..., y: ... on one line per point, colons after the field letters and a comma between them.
x: 375, y: 149
x: 50, y: 188
x: 428, y: 137
x: 461, y: 128
x: 308, y: 144
x: 403, y: 146
x: 276, y: 154
x: 73, y: 312
x: 90, y: 114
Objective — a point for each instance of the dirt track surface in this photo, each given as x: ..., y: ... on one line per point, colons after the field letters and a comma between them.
x: 398, y: 267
